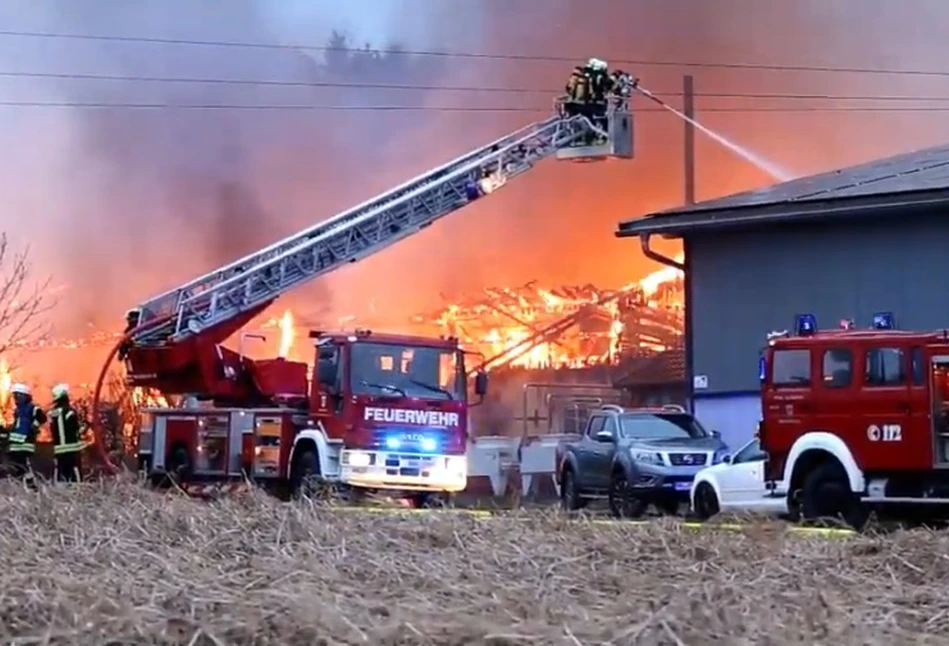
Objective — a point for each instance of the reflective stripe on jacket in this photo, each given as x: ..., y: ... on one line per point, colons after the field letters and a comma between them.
x: 27, y: 419
x: 67, y: 431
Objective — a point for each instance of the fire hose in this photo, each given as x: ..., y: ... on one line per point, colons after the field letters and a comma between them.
x: 97, y: 430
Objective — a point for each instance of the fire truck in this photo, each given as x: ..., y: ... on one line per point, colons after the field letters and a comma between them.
x: 377, y: 411
x: 856, y: 419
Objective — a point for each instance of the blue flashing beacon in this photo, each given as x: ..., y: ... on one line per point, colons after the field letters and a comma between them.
x: 884, y: 321
x: 805, y: 324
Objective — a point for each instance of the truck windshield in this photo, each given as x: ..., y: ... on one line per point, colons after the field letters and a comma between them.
x: 392, y: 370
x: 660, y: 427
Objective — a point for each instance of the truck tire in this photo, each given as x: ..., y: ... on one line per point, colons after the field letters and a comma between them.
x: 306, y: 480
x: 570, y: 499
x: 826, y: 494
x: 178, y: 464
x: 623, y: 502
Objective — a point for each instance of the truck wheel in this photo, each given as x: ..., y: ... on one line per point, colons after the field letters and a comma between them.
x: 826, y: 494
x: 570, y: 499
x: 431, y: 500
x: 623, y: 502
x: 178, y: 465
x: 307, y: 482
x: 706, y: 502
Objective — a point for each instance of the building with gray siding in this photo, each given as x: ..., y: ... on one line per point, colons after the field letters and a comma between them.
x: 840, y: 245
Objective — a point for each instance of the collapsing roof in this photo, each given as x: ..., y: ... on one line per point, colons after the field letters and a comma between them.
x: 892, y: 185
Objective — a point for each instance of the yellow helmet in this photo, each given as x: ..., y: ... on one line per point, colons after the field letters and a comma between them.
x: 60, y: 391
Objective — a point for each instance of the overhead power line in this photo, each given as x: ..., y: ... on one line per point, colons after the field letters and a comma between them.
x: 479, y: 55
x: 440, y: 88
x: 408, y: 108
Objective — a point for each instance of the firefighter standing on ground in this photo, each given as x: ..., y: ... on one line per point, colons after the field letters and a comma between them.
x: 27, y: 419
x: 67, y: 436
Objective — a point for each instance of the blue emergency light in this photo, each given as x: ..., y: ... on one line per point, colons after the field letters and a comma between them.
x: 424, y: 444
x: 762, y: 368
x: 805, y: 324
x: 884, y: 321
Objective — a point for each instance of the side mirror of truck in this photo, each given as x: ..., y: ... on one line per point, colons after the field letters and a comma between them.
x: 481, y: 384
x: 716, y: 434
x: 604, y: 436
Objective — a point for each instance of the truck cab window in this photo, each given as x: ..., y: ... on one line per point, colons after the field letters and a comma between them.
x: 837, y: 368
x: 885, y: 367
x: 609, y: 425
x: 596, y: 425
x: 791, y: 368
x: 919, y: 367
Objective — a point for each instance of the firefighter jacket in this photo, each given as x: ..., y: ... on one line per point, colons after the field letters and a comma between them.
x: 27, y: 419
x: 578, y: 86
x: 66, y: 429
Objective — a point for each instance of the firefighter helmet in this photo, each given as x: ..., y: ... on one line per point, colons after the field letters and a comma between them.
x: 20, y: 389
x: 60, y: 391
x: 596, y: 64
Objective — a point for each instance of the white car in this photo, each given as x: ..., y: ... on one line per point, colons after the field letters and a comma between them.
x: 736, y: 485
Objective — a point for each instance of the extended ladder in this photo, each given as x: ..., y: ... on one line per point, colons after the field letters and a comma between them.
x: 373, y: 225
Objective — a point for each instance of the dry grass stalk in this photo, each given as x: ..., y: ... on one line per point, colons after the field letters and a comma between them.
x: 110, y: 563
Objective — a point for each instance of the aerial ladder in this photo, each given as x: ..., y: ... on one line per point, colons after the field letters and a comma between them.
x: 173, y: 341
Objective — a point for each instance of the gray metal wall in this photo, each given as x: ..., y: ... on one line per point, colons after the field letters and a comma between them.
x: 745, y: 284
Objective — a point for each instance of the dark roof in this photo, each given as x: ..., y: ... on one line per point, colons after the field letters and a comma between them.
x: 918, y: 178
x: 661, y: 369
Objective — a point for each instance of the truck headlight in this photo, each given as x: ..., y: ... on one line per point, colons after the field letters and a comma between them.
x: 359, y: 459
x: 648, y: 457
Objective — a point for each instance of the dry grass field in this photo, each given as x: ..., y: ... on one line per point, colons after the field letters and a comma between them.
x: 114, y: 564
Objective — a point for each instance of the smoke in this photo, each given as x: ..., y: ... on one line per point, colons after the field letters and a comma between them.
x: 125, y: 202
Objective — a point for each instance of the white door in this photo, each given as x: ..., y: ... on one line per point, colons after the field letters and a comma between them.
x: 742, y: 483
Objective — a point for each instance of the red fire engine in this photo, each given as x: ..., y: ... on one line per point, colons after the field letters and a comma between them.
x: 383, y: 411
x: 855, y: 419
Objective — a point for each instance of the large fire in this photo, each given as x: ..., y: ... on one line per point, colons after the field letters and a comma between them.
x: 569, y: 327
x: 530, y: 326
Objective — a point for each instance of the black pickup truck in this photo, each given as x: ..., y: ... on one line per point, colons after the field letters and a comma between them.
x: 634, y: 458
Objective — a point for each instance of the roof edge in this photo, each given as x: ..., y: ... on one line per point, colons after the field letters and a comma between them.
x: 683, y: 222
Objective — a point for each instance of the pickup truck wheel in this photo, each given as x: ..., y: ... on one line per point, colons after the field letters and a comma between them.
x: 623, y: 502
x: 570, y: 499
x: 826, y: 494
x: 706, y: 502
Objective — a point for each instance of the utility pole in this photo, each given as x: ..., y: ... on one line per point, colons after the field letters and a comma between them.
x: 688, y: 108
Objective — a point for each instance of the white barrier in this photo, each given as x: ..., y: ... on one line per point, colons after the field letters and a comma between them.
x: 538, y: 459
x: 493, y: 457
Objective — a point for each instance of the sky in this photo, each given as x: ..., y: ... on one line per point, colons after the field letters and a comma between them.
x: 119, y: 203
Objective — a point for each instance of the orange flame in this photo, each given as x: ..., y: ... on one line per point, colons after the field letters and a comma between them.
x: 287, y: 335
x: 6, y: 383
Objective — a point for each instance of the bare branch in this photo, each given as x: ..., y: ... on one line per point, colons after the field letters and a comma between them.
x: 24, y: 301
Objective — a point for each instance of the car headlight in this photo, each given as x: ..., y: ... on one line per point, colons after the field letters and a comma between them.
x: 648, y: 457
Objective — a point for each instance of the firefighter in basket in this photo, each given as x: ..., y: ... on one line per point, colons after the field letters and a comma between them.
x: 66, y: 429
x: 578, y: 91
x: 27, y: 420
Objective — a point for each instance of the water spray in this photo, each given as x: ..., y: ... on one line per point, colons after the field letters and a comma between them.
x: 758, y: 161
